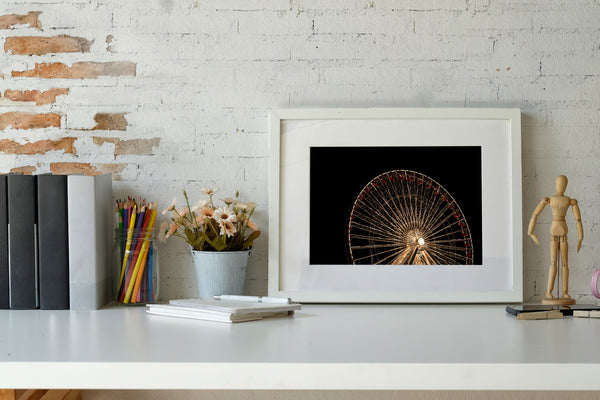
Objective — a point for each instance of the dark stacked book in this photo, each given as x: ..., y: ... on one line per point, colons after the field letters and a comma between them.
x: 55, y: 241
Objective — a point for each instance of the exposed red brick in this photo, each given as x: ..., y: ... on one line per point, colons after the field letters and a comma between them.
x: 40, y: 98
x: 65, y: 168
x: 25, y: 170
x: 134, y: 146
x: 114, y: 169
x: 100, y: 141
x: 39, y: 45
x: 40, y: 147
x: 9, y: 20
x: 79, y: 70
x: 110, y: 122
x: 24, y: 120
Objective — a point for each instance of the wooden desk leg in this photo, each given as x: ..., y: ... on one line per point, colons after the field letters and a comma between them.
x: 39, y: 394
x: 62, y: 394
x: 7, y: 394
x: 32, y: 394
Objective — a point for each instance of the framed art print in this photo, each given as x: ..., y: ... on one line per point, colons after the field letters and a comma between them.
x: 395, y: 205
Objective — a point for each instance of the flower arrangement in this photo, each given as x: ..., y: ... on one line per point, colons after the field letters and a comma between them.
x: 206, y: 227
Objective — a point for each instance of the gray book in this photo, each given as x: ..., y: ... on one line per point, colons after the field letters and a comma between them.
x: 90, y: 232
x: 21, y: 241
x: 53, y: 243
x: 4, y: 297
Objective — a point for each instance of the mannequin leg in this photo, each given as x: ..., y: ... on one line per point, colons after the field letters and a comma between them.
x: 553, y: 266
x: 564, y: 255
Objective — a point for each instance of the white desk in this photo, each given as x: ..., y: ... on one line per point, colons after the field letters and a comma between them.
x: 402, y: 347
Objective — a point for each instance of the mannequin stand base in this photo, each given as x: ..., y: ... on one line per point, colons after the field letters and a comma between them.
x: 558, y: 302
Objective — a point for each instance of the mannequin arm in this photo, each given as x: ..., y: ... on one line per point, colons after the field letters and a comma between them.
x: 538, y: 210
x: 577, y: 215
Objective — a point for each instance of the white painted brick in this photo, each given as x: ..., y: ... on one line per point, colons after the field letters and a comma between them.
x: 588, y: 117
x: 336, y: 5
x: 78, y: 17
x: 571, y: 65
x: 209, y: 71
x: 551, y: 88
x: 365, y: 22
x: 244, y: 5
x: 546, y: 5
x: 439, y: 22
x: 155, y: 21
x: 427, y: 5
x: 575, y: 19
x: 237, y: 47
x: 274, y: 23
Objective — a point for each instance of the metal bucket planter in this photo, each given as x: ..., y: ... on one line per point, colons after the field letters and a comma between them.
x: 220, y: 272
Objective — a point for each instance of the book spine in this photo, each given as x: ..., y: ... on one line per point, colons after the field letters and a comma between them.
x: 89, y: 238
x: 4, y: 294
x: 53, y: 251
x: 21, y: 233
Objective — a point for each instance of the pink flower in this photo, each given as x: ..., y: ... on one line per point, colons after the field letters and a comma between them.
x: 172, y: 229
x: 252, y: 225
x: 171, y: 207
x: 207, y: 212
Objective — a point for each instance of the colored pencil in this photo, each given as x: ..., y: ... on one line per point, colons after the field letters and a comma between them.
x: 136, y: 223
x: 136, y: 277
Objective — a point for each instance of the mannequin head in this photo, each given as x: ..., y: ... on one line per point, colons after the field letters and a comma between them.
x: 561, y: 184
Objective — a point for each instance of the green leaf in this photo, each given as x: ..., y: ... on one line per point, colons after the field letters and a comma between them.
x: 249, y: 242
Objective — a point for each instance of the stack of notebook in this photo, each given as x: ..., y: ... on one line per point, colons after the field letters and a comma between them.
x: 222, y: 310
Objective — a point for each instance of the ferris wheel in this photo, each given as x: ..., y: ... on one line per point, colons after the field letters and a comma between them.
x: 405, y: 217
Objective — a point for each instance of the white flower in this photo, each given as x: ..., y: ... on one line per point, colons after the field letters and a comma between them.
x: 225, y: 219
x: 229, y: 201
x: 199, y: 205
x: 250, y: 206
x: 208, y: 191
x: 224, y: 214
x: 228, y: 227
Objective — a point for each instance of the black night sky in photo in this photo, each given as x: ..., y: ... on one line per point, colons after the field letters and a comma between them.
x: 338, y: 174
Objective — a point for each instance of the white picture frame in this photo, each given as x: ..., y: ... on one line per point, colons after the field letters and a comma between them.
x: 295, y: 134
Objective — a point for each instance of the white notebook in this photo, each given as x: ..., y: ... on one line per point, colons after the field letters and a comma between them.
x: 234, y: 307
x: 222, y: 310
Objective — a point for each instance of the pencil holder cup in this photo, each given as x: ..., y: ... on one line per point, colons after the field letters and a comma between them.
x: 136, y: 266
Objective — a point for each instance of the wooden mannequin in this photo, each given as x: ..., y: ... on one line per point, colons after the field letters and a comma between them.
x: 558, y: 238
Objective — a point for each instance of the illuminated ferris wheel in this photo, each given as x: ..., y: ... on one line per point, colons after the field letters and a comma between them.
x: 405, y: 217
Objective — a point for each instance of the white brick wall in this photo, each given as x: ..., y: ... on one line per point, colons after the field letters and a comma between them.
x: 209, y: 71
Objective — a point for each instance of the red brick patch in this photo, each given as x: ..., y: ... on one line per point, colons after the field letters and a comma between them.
x: 134, y: 146
x: 65, y: 168
x: 65, y: 144
x: 24, y: 120
x: 25, y: 170
x: 10, y: 20
x: 40, y: 45
x: 79, y: 70
x: 110, y: 122
x: 40, y: 98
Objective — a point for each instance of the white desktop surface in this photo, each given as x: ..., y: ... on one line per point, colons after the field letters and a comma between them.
x: 399, y: 347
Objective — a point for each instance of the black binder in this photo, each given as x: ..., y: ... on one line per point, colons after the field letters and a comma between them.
x: 4, y: 299
x: 21, y: 235
x: 53, y: 244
